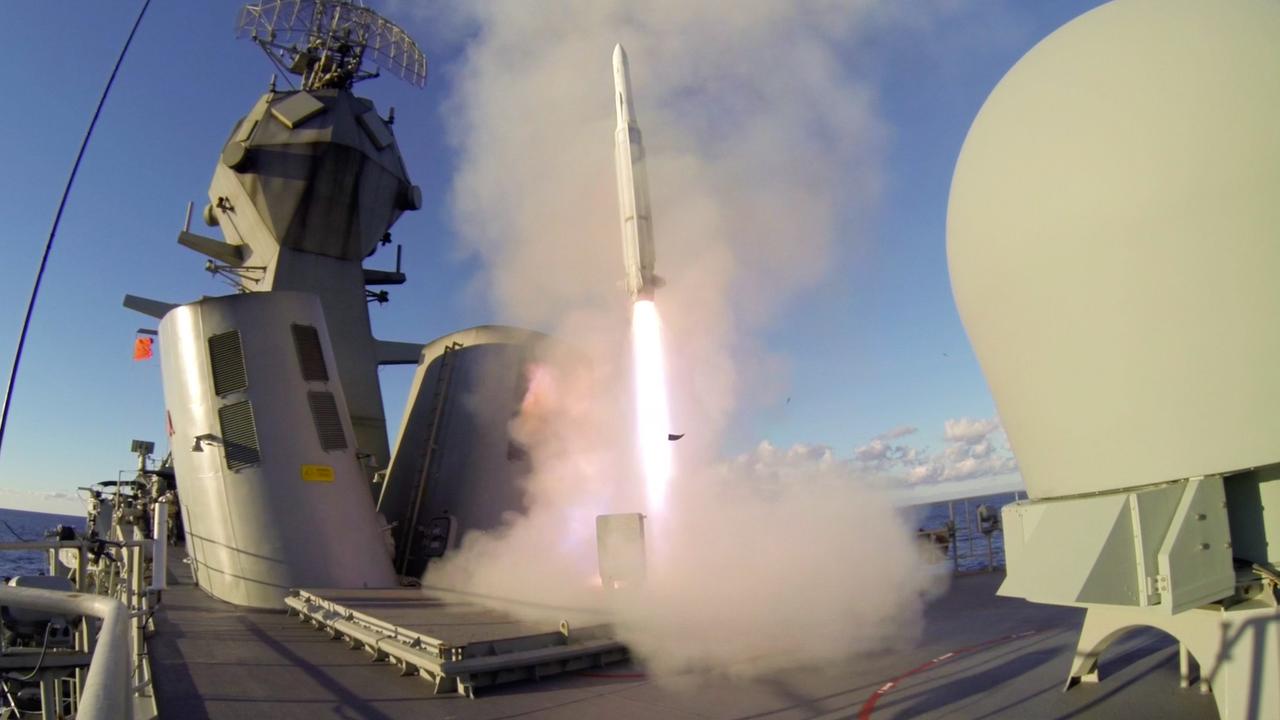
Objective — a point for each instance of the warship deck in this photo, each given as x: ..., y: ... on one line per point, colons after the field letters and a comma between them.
x: 980, y: 656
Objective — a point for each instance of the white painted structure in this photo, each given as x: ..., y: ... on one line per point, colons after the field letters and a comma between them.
x: 1113, y: 240
x: 271, y: 490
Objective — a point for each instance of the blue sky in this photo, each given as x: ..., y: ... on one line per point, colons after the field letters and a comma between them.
x: 873, y: 347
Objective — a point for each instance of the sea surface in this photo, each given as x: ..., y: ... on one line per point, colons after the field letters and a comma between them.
x: 18, y: 525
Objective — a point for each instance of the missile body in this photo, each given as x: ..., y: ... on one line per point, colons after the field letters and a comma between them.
x: 633, y: 188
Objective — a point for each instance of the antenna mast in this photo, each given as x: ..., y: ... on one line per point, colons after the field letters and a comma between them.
x: 331, y: 43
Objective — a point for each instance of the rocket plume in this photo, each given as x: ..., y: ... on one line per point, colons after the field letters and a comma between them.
x: 653, y: 419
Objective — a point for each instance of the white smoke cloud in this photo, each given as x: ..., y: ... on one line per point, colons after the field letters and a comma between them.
x: 763, y: 152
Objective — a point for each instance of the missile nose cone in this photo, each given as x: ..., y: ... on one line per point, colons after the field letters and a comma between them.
x: 622, y: 86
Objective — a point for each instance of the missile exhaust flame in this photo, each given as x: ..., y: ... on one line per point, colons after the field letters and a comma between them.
x: 653, y: 418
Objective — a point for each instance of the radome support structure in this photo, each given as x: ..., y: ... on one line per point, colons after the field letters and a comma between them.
x: 1111, y: 241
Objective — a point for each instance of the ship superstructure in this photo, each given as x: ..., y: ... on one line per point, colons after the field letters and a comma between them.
x: 272, y: 396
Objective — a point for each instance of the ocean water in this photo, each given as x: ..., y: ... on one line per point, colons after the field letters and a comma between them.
x: 18, y: 525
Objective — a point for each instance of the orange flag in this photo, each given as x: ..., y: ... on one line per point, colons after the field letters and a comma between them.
x: 142, y: 348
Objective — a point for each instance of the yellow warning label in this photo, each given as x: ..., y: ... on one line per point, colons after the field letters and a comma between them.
x: 317, y: 473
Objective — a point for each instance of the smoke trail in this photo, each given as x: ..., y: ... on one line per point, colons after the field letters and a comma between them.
x: 762, y: 151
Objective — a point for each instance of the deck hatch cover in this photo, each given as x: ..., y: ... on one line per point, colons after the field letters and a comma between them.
x: 306, y: 339
x: 239, y: 435
x: 226, y: 363
x: 324, y: 410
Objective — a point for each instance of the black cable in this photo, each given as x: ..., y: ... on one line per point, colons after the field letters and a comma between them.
x: 40, y: 661
x: 57, y: 218
x: 15, y: 532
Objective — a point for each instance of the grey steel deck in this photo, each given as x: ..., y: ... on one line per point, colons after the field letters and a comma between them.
x: 213, y: 661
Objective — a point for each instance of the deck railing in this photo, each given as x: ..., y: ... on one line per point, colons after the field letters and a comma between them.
x: 971, y: 539
x: 109, y: 581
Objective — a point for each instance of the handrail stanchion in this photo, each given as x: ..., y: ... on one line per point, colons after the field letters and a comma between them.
x: 160, y: 546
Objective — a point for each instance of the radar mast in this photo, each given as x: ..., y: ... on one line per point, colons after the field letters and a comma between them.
x: 331, y: 43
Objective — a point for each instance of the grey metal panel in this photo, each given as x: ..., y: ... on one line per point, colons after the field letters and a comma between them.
x: 324, y: 185
x: 398, y: 353
x: 453, y: 456
x: 352, y: 354
x: 239, y: 435
x: 261, y: 528
x: 1165, y: 545
x: 296, y: 109
x: 383, y: 277
x: 226, y: 363
x: 1196, y: 556
x: 1054, y: 556
x: 246, y: 126
x: 324, y: 412
x: 147, y: 306
x: 1253, y: 499
x: 244, y: 129
x: 216, y: 249
x: 306, y: 340
x: 378, y: 131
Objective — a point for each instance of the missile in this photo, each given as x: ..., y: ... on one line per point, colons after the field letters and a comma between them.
x: 633, y: 188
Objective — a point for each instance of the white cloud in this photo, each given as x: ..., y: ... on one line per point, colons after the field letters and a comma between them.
x: 58, y: 503
x: 873, y: 452
x: 900, y: 431
x: 971, y: 454
x: 969, y: 430
x: 971, y: 464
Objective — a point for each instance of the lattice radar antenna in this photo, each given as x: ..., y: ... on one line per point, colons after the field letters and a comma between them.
x: 331, y: 43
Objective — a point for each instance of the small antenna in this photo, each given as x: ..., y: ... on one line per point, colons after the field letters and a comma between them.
x: 330, y: 42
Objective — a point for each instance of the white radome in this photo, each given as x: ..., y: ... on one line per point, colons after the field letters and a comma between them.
x: 1113, y: 237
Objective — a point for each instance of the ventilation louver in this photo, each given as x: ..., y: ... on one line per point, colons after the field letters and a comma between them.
x: 226, y: 363
x: 324, y: 410
x: 239, y: 435
x: 306, y: 339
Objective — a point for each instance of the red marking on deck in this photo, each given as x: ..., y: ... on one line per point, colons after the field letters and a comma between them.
x: 869, y: 706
